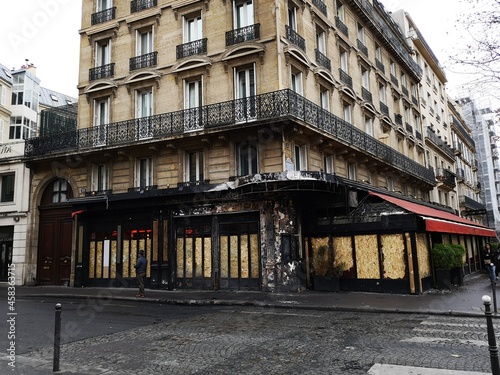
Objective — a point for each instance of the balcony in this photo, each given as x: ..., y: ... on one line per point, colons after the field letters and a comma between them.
x: 460, y: 174
x: 142, y: 188
x: 98, y: 192
x: 243, y: 34
x: 196, y: 47
x: 143, y: 61
x: 284, y: 105
x: 394, y: 80
x: 341, y: 26
x: 295, y: 38
x: 469, y: 203
x: 322, y: 60
x: 321, y: 6
x: 398, y: 119
x: 345, y: 78
x: 418, y: 135
x: 138, y: 5
x: 414, y: 100
x: 367, y: 95
x: 440, y: 143
x: 103, y: 16
x: 380, y: 66
x: 409, y: 128
x: 445, y: 178
x: 405, y: 91
x: 102, y: 71
x: 384, y: 109
x: 362, y: 47
x: 458, y: 148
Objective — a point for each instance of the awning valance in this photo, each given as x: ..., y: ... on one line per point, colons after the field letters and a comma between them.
x: 439, y: 221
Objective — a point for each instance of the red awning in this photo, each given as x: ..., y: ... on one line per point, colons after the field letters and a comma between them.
x: 440, y: 221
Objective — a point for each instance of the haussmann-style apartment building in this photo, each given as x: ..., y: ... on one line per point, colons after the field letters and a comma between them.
x: 232, y: 139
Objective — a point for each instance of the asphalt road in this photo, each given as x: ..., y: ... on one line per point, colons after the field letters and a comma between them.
x: 121, y: 337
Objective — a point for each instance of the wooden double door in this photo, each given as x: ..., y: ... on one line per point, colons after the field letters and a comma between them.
x: 54, y: 246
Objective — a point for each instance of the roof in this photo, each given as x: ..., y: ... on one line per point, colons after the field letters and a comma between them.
x: 51, y: 98
x: 5, y: 74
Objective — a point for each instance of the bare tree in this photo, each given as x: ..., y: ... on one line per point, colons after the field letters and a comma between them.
x: 479, y: 55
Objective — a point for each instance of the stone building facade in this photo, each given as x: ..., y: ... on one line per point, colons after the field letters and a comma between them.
x: 231, y: 140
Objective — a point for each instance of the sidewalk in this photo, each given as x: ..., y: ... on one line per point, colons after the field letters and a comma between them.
x: 461, y: 301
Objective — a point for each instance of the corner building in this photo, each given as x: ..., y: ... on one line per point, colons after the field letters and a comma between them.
x: 231, y: 139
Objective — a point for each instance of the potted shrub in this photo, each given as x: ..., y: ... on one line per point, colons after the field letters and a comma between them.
x: 448, y: 262
x: 327, y: 272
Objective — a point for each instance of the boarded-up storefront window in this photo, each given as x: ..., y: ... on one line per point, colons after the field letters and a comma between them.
x: 342, y: 247
x: 393, y: 252
x: 424, y: 263
x: 367, y: 259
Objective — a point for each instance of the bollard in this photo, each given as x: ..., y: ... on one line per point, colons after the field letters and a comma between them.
x: 494, y: 294
x: 57, y: 338
x: 495, y: 367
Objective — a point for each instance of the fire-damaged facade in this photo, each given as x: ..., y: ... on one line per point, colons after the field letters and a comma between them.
x: 233, y: 157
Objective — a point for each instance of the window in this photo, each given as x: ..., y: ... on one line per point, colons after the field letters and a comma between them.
x: 101, y: 112
x: 100, y: 177
x: 393, y: 68
x: 340, y: 11
x: 60, y: 191
x: 7, y: 193
x: 144, y: 41
x: 390, y: 184
x: 102, y: 52
x: 193, y: 29
x: 324, y: 97
x: 245, y: 90
x: 101, y: 117
x: 103, y: 5
x: 382, y: 93
x: 143, y: 111
x: 3, y: 95
x: 378, y: 53
x: 292, y: 16
x: 351, y: 171
x: 243, y: 13
x: 403, y: 80
x: 246, y: 158
x: 144, y: 172
x: 193, y: 99
x: 193, y: 167
x: 369, y: 126
x: 346, y: 112
x: 300, y: 158
x: 365, y: 78
x: 361, y: 33
x: 328, y: 164
x: 344, y: 61
x: 321, y: 41
x: 297, y: 82
x: 21, y: 128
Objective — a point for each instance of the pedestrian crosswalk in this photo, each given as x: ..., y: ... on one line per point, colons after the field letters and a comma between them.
x: 379, y: 369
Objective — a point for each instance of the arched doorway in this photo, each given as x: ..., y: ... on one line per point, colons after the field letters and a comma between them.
x: 55, y: 233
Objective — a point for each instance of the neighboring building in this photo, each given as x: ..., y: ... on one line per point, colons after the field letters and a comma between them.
x: 483, y: 122
x: 432, y: 114
x: 58, y: 112
x: 231, y: 140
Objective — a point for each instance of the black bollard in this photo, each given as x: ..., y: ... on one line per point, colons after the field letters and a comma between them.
x: 495, y: 367
x: 57, y: 338
x: 494, y: 294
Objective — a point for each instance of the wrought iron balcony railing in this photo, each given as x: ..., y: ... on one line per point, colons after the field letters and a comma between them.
x: 362, y: 47
x: 463, y: 133
x: 138, y: 5
x: 440, y: 143
x: 460, y: 174
x: 380, y: 66
x: 103, y: 16
x: 414, y: 100
x: 243, y: 34
x: 322, y: 60
x: 285, y: 104
x: 346, y: 78
x: 143, y: 61
x: 446, y: 176
x: 405, y: 91
x: 384, y: 109
x: 321, y: 6
x: 341, y: 26
x: 295, y: 38
x: 102, y: 71
x: 196, y: 47
x: 418, y: 135
x: 367, y: 95
x: 409, y: 128
x: 394, y: 80
x: 98, y: 192
x: 398, y: 119
x: 468, y: 202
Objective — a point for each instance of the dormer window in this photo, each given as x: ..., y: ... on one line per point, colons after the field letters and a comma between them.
x: 54, y: 98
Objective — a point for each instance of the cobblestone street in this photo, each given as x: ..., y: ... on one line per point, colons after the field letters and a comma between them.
x: 228, y: 340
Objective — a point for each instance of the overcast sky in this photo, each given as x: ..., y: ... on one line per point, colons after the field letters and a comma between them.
x: 46, y: 33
